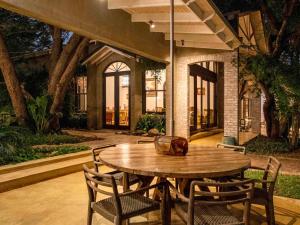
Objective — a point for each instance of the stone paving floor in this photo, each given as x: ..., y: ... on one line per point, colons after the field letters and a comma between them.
x: 63, y: 201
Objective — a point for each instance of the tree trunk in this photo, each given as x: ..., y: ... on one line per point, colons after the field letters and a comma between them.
x: 285, y: 125
x: 12, y: 83
x: 62, y: 63
x: 62, y: 86
x: 56, y: 48
x: 295, y: 131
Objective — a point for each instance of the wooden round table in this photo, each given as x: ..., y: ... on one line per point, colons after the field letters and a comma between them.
x: 200, y: 162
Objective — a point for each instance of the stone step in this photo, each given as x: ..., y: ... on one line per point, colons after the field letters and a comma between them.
x: 43, y: 171
x: 41, y: 162
x: 205, y: 134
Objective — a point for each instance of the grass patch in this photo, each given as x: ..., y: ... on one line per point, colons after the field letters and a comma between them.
x: 263, y: 145
x: 286, y: 185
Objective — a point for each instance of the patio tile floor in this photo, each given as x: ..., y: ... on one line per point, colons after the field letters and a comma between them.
x: 63, y: 201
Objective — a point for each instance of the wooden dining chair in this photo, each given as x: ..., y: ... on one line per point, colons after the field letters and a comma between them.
x: 263, y: 195
x: 237, y: 148
x: 211, y: 206
x: 241, y: 149
x: 118, y: 175
x: 118, y: 207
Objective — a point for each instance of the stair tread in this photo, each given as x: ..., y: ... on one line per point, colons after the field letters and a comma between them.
x: 44, y: 168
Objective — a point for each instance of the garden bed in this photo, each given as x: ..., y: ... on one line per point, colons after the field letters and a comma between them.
x: 20, y: 144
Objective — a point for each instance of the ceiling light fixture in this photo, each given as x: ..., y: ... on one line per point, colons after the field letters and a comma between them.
x: 152, y: 25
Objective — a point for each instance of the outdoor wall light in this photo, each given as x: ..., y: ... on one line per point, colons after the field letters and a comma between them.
x: 152, y: 24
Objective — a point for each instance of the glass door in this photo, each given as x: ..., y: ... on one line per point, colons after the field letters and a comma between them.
x: 124, y: 100
x: 202, y: 103
x: 116, y: 99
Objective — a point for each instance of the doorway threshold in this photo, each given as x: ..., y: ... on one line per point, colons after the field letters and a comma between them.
x: 206, y: 133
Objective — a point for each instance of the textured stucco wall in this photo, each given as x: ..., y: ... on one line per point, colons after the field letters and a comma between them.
x: 183, y: 58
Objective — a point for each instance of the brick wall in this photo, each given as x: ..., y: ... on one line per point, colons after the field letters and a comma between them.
x: 186, y: 56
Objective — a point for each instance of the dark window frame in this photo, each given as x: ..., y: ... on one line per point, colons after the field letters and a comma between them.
x: 79, y: 93
x: 209, y: 77
x: 116, y: 76
x: 156, y: 90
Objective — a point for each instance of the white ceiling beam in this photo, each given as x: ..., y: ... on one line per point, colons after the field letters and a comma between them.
x: 127, y: 4
x: 205, y: 45
x: 212, y: 38
x: 164, y: 17
x: 195, y: 28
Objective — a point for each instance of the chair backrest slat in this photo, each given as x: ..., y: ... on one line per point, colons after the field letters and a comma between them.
x: 94, y: 183
x: 232, y: 147
x: 226, y: 193
x: 95, y: 154
x: 271, y: 174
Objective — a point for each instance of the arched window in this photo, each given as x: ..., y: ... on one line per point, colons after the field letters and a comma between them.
x: 117, y: 67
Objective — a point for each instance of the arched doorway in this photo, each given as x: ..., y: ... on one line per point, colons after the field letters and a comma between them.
x: 116, y: 96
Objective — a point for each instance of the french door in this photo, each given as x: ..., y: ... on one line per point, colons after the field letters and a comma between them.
x: 116, y: 100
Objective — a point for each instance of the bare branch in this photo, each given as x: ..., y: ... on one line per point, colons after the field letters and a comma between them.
x: 287, y: 12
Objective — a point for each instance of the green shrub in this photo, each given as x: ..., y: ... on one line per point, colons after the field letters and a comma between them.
x: 29, y: 153
x: 150, y: 121
x: 51, y: 139
x: 264, y: 145
x: 16, y: 142
x: 39, y: 113
x: 77, y: 120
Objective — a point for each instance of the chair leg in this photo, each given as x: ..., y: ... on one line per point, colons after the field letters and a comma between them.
x: 271, y: 213
x: 118, y: 221
x: 89, y: 215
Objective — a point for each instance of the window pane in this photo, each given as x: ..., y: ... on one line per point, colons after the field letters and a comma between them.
x: 212, y: 103
x: 124, y: 100
x: 150, y: 101
x: 205, y: 105
x: 199, y: 94
x: 161, y: 80
x: 110, y: 100
x: 160, y: 102
x: 81, y: 93
x: 150, y: 81
x: 192, y: 107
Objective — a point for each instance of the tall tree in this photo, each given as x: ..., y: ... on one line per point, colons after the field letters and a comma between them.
x: 66, y: 51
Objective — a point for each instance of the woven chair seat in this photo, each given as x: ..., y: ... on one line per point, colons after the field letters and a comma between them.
x: 205, y: 215
x: 132, y: 205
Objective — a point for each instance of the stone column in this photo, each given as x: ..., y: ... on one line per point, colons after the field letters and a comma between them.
x: 136, y: 93
x: 231, y: 97
x: 91, y: 97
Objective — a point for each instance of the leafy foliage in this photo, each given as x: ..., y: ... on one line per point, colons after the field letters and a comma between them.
x: 23, y: 34
x: 149, y: 121
x: 39, y: 113
x: 16, y: 145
